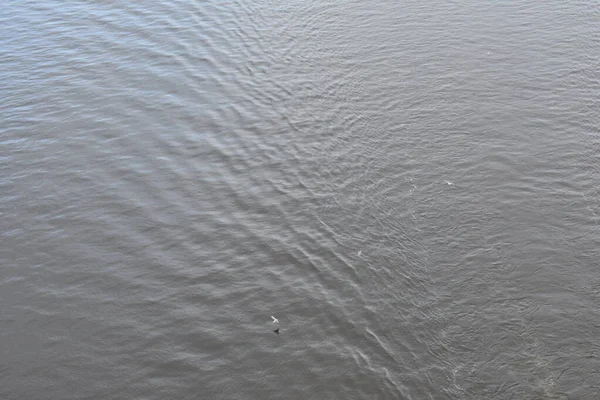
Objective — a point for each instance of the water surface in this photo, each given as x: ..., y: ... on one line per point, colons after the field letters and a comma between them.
x: 410, y: 187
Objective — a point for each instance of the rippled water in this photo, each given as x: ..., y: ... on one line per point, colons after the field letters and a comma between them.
x: 410, y: 187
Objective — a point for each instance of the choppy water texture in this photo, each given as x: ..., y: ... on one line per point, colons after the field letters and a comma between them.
x: 411, y: 187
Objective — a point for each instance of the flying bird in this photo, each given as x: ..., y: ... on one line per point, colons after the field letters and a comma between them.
x: 276, y: 331
x: 275, y: 320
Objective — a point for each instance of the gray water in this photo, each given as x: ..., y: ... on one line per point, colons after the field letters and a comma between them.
x: 411, y: 187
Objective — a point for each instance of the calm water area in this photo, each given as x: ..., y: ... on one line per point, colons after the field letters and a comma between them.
x: 412, y: 188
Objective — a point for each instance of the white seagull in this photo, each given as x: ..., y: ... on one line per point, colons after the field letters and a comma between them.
x: 275, y: 320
